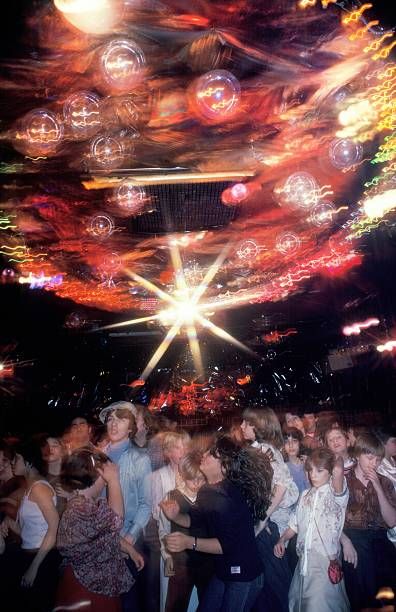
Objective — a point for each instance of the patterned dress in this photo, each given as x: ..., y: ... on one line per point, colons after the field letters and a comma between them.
x: 89, y: 541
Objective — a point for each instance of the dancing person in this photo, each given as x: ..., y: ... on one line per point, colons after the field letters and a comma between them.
x: 29, y: 573
x: 261, y: 427
x: 236, y: 497
x: 186, y: 569
x: 94, y: 571
x: 318, y: 522
x: 387, y: 467
x: 162, y: 481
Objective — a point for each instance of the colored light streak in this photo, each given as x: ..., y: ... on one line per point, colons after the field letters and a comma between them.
x: 356, y: 328
x: 388, y: 346
x: 380, y: 204
x: 185, y: 311
x: 354, y: 16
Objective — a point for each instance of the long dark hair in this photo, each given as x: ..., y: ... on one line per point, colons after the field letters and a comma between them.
x: 249, y: 470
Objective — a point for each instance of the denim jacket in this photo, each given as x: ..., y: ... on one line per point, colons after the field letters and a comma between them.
x: 135, y: 471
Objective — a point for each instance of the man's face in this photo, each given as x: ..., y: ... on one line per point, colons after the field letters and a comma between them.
x: 117, y: 429
x: 80, y: 430
x: 309, y: 421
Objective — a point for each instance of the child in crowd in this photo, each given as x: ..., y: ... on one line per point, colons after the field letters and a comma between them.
x: 186, y: 569
x: 295, y: 460
x: 318, y: 522
x: 336, y: 439
x: 387, y: 467
x: 371, y: 511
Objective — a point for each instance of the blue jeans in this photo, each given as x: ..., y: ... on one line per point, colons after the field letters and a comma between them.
x: 230, y: 596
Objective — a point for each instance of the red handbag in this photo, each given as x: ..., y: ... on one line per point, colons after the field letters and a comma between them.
x: 334, y: 571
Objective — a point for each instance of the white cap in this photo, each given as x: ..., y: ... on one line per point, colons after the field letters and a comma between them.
x: 122, y: 405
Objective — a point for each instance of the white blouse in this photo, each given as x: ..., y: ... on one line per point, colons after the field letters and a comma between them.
x: 282, y: 477
x: 324, y: 510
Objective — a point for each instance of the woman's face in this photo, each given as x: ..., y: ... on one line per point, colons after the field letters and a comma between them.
x: 292, y: 447
x: 318, y: 476
x: 176, y: 452
x: 211, y: 468
x: 52, y: 451
x: 337, y: 442
x: 140, y: 424
x: 248, y: 431
x: 293, y: 420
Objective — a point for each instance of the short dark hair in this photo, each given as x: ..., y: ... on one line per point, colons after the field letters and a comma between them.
x: 79, y: 468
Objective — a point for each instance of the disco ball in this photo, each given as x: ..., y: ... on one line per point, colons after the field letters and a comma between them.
x: 111, y: 263
x: 81, y: 112
x: 107, y: 152
x: 101, y: 226
x: 299, y: 190
x: 40, y: 133
x: 130, y: 197
x: 322, y: 214
x: 345, y: 153
x: 247, y: 249
x: 216, y: 95
x: 287, y: 243
x: 122, y: 65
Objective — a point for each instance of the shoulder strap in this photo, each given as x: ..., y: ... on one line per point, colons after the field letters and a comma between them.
x: 42, y: 482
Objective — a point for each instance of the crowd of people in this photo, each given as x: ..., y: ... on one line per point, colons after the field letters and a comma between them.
x: 275, y: 514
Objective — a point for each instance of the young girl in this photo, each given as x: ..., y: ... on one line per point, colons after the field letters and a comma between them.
x: 261, y: 427
x: 318, y: 522
x: 292, y: 438
x: 186, y: 569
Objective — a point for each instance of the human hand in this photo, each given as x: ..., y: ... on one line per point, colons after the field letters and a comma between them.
x: 279, y: 549
x: 372, y: 476
x: 109, y: 472
x: 137, y: 558
x: 29, y: 576
x: 176, y: 541
x: 349, y: 552
x: 170, y: 508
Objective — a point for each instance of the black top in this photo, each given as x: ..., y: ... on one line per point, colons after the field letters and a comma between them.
x: 190, y: 558
x: 226, y: 515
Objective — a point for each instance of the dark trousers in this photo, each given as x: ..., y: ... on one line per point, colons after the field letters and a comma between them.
x: 38, y: 598
x: 230, y: 596
x: 376, y: 567
x: 277, y: 574
x: 180, y: 586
